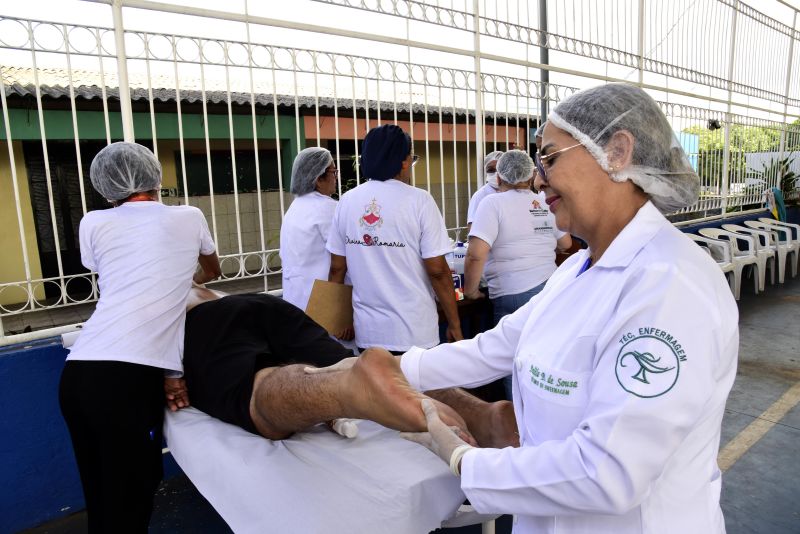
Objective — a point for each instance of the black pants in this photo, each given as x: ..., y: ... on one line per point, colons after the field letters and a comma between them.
x: 115, y: 414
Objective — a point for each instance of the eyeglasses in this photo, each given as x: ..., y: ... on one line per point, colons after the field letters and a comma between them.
x: 334, y: 171
x: 414, y: 159
x: 539, y: 160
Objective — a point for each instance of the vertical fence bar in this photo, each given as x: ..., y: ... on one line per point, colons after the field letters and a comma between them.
x: 479, y: 145
x: 125, y: 108
x: 726, y: 155
x: 787, y: 86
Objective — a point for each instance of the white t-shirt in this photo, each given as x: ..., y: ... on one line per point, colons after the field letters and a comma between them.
x: 475, y: 201
x: 384, y: 230
x: 522, y: 232
x: 304, y: 234
x: 145, y: 254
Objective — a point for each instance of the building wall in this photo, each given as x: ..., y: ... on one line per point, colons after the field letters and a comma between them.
x: 12, y: 266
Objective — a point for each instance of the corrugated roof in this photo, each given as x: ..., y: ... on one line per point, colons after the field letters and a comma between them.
x: 55, y: 83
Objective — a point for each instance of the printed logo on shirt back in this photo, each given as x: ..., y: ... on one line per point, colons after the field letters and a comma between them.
x: 648, y: 363
x: 370, y: 221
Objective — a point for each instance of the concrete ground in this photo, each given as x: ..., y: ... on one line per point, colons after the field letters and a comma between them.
x: 759, y: 453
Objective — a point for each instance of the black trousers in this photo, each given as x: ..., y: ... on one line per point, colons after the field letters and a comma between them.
x: 115, y: 414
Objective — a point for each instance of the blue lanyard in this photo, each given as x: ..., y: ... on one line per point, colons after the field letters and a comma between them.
x: 585, y: 267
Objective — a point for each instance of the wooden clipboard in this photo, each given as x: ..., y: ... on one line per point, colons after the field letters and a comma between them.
x: 331, y: 306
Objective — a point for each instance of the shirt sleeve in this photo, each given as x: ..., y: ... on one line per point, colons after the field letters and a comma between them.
x: 207, y: 245
x: 325, y: 221
x: 433, y: 240
x: 630, y: 430
x: 487, y: 222
x: 472, y: 208
x: 85, y: 242
x: 335, y: 244
x: 490, y: 356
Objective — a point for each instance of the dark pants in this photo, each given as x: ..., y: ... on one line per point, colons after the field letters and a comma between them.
x: 115, y: 414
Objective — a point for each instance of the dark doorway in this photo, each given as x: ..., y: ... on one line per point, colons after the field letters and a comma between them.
x: 66, y: 206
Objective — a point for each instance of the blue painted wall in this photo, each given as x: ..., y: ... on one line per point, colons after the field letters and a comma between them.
x: 39, y: 476
x: 39, y: 479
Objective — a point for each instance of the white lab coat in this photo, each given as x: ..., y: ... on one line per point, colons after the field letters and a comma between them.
x: 304, y: 233
x: 620, y: 378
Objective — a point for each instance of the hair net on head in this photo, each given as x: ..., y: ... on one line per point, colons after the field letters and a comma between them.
x: 490, y: 157
x: 515, y: 166
x: 122, y: 169
x: 309, y: 165
x: 658, y: 165
x: 540, y: 130
x: 491, y: 177
x: 383, y: 152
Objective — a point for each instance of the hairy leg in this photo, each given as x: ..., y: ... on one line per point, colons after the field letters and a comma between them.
x: 492, y: 423
x: 286, y: 400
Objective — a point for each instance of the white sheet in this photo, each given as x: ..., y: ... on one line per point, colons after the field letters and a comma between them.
x: 315, y: 482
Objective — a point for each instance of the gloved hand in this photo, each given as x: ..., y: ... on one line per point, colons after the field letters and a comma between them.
x: 441, y: 439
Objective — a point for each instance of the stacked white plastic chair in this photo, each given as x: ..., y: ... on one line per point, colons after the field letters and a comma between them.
x: 741, y: 255
x: 766, y: 250
x: 787, y: 250
x: 720, y: 251
x: 794, y: 238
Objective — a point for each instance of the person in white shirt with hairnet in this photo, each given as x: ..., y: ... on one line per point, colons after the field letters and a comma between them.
x: 490, y: 186
x: 307, y: 223
x: 129, y: 352
x: 623, y: 363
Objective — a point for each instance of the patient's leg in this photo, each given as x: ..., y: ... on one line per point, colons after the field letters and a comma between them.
x: 492, y: 423
x: 286, y: 400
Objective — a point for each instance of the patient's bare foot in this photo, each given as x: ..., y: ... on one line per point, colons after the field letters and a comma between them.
x: 376, y: 389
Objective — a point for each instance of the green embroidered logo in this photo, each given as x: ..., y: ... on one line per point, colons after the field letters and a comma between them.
x: 648, y: 364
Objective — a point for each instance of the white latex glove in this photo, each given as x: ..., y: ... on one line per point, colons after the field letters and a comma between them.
x: 441, y: 439
x: 341, y: 365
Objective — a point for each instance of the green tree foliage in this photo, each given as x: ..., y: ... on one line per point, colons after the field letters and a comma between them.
x: 743, y: 140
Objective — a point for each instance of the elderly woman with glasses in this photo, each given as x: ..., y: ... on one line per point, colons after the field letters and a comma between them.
x: 623, y: 363
x: 307, y: 223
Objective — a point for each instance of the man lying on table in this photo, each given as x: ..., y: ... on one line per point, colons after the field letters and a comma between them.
x: 244, y: 357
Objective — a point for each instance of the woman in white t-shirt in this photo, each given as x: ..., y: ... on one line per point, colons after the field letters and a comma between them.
x: 390, y: 237
x: 515, y: 237
x: 112, y: 391
x: 306, y: 225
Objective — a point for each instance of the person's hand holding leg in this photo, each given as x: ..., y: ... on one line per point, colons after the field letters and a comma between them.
x: 442, y: 440
x: 176, y: 393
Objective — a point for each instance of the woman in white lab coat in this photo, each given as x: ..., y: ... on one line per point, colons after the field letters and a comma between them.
x: 623, y: 363
x: 306, y: 224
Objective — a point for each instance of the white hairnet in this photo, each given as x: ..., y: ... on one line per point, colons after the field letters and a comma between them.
x: 658, y: 165
x: 515, y: 166
x: 491, y: 177
x: 309, y: 165
x: 122, y: 169
x: 490, y: 157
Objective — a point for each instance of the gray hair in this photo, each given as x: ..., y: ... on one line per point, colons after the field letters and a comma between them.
x: 122, y: 169
x: 515, y: 166
x: 309, y: 165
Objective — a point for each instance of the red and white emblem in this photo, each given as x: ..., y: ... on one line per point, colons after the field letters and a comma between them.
x: 536, y: 204
x: 372, y: 216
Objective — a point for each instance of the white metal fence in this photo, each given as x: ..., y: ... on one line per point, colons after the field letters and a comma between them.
x: 227, y: 98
